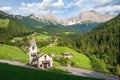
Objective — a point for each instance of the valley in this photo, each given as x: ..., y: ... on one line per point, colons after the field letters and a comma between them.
x: 91, y: 38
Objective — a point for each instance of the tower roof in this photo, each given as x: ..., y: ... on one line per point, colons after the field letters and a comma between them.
x: 33, y: 43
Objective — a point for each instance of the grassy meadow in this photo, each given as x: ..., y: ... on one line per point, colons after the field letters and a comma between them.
x: 79, y: 59
x: 4, y: 23
x: 21, y: 73
x: 38, y: 36
x: 9, y: 52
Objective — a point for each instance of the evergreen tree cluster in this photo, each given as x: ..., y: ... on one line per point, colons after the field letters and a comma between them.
x: 14, y: 29
x: 103, y: 43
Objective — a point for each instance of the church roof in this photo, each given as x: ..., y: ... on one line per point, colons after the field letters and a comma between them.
x: 40, y: 55
x: 33, y: 43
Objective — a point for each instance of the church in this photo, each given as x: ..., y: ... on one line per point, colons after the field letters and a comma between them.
x: 42, y: 61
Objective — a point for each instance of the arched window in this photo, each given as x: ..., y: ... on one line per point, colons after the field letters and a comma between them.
x: 45, y: 56
x: 48, y: 64
x: 41, y: 65
x: 33, y: 48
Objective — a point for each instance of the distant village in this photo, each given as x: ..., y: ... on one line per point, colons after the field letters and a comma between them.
x: 43, y: 60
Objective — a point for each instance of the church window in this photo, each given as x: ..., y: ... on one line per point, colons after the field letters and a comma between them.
x: 33, y: 47
x: 45, y: 56
x: 40, y: 65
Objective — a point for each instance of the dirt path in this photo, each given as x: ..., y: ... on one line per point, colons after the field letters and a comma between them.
x: 89, y: 73
x: 16, y: 63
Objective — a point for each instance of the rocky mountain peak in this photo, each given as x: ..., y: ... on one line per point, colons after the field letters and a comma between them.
x: 83, y: 16
x: 90, y: 16
x: 32, y: 15
x: 49, y: 16
x: 92, y: 11
x: 5, y: 14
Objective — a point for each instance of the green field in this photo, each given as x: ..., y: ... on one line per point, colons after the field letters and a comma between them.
x: 9, y: 52
x: 79, y: 59
x: 38, y: 36
x: 4, y: 22
x: 10, y: 72
x: 67, y: 33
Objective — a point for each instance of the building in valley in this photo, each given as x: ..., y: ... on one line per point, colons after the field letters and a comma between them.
x: 41, y: 60
x: 67, y: 55
x: 44, y: 61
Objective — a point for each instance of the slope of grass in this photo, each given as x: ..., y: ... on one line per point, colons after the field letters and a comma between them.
x: 79, y: 59
x: 9, y: 52
x: 67, y: 33
x: 10, y: 28
x: 38, y: 36
x: 4, y: 23
x: 21, y: 73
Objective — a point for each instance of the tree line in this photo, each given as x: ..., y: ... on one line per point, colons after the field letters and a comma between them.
x: 14, y: 29
x: 101, y: 45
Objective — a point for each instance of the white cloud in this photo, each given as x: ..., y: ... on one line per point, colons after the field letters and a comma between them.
x: 55, y: 11
x: 77, y: 3
x: 63, y: 7
x: 106, y: 6
x: 44, y: 7
x: 109, y: 9
x: 101, y: 6
x: 45, y: 4
x: 60, y: 3
x: 87, y: 8
x: 102, y: 1
x: 23, y: 4
x: 34, y: 10
x: 6, y: 8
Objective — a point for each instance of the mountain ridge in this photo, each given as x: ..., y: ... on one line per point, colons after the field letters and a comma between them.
x: 91, y: 16
x: 83, y: 16
x: 11, y: 27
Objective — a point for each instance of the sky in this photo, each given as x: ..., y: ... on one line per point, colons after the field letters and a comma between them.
x: 59, y: 8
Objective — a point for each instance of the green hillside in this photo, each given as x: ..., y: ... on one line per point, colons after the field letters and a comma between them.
x: 9, y: 52
x: 85, y: 27
x: 79, y: 59
x: 103, y: 42
x: 57, y: 29
x: 44, y: 26
x: 21, y: 73
x: 12, y: 28
x: 4, y: 23
x: 32, y: 23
